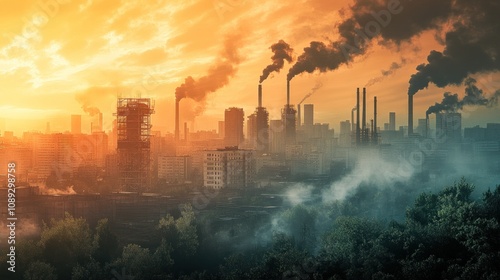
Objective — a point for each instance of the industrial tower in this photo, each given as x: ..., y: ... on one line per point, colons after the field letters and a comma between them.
x: 133, y: 117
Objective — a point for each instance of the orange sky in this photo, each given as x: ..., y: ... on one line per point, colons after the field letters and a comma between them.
x: 55, y: 57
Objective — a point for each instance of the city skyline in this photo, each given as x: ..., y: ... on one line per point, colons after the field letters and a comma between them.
x: 50, y: 74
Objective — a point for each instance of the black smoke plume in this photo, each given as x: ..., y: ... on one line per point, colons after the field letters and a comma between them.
x: 282, y: 51
x: 474, y: 96
x: 391, y: 21
x: 471, y: 46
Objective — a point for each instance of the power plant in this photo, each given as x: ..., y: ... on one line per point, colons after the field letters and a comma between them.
x: 288, y: 118
x: 363, y: 134
x: 262, y: 125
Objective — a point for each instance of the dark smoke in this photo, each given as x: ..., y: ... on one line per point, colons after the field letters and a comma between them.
x: 282, y: 51
x: 218, y: 74
x: 471, y: 46
x: 317, y: 86
x: 356, y: 32
x: 474, y: 96
x: 392, y: 69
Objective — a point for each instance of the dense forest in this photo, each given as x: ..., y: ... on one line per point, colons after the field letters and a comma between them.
x: 443, y: 235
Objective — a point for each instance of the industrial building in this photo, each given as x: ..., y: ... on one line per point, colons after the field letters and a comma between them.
x: 133, y: 116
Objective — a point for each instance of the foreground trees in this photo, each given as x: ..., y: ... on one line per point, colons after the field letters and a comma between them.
x: 445, y: 235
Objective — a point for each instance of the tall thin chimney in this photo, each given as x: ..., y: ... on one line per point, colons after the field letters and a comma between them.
x: 288, y: 93
x: 374, y: 131
x: 260, y: 95
x: 371, y: 123
x: 177, y: 119
x: 410, y: 115
x: 363, y: 132
x: 353, y: 128
x: 185, y: 131
x: 426, y: 125
x: 358, y: 136
x: 299, y: 117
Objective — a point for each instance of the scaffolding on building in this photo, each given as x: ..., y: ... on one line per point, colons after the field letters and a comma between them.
x: 133, y: 117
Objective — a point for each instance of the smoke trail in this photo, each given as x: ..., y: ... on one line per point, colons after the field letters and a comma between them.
x: 91, y: 97
x: 473, y: 97
x: 392, y: 22
x: 217, y: 76
x: 370, y: 169
x: 317, y: 86
x: 392, y: 69
x: 282, y: 51
x: 472, y: 46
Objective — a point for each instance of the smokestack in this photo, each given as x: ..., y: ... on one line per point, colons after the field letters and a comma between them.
x: 410, y: 115
x: 374, y: 131
x: 426, y: 125
x: 299, y: 120
x: 185, y: 131
x: 357, y: 119
x: 363, y: 133
x: 260, y: 96
x: 352, y: 119
x: 371, y: 123
x: 288, y: 92
x: 177, y: 119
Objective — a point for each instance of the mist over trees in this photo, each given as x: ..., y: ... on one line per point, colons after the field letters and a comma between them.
x: 443, y: 235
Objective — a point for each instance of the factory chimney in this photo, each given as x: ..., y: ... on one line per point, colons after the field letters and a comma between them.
x: 288, y: 93
x: 363, y: 132
x: 177, y: 119
x: 426, y: 125
x: 353, y: 127
x: 299, y: 116
x: 358, y: 136
x: 260, y: 96
x: 374, y: 130
x: 410, y: 115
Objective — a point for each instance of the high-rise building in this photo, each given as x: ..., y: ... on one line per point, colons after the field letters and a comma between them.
x: 276, y: 136
x: 233, y: 123
x: 228, y: 168
x: 308, y: 115
x: 392, y: 121
x: 345, y: 133
x: 221, y: 129
x: 422, y: 127
x: 174, y: 169
x: 262, y: 130
x: 449, y: 127
x: 76, y: 124
x: 252, y: 129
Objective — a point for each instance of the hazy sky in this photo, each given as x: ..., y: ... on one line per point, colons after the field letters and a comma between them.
x: 59, y: 58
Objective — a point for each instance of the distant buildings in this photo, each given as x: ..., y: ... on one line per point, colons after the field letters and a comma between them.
x: 392, y: 121
x: 233, y: 123
x: 228, y: 168
x: 449, y: 127
x: 174, y: 169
